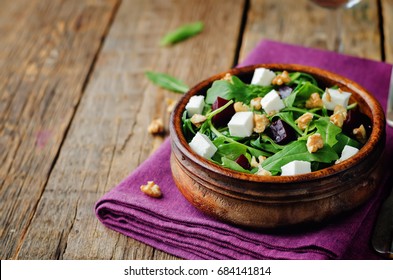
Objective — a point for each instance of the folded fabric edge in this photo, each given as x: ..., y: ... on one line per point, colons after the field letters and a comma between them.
x: 108, y: 216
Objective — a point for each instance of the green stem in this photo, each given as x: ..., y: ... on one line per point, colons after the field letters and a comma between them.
x: 352, y: 106
x: 219, y: 110
x: 294, y: 109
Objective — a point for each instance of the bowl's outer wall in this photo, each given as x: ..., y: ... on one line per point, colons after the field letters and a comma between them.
x: 270, y: 202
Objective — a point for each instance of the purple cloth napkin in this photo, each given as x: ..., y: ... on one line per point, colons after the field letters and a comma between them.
x: 173, y: 225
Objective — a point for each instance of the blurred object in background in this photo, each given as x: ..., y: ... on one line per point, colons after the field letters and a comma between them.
x: 335, y: 41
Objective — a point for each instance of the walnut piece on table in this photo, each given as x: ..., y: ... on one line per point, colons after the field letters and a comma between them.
x: 151, y: 189
x: 156, y: 126
x: 170, y: 104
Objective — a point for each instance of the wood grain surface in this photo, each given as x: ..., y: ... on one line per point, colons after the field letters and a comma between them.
x: 387, y: 23
x: 44, y: 64
x: 304, y: 23
x: 75, y: 103
x: 109, y: 138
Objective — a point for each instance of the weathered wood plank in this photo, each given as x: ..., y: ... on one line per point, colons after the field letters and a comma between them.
x: 304, y: 23
x: 46, y: 50
x: 387, y: 13
x: 108, y: 136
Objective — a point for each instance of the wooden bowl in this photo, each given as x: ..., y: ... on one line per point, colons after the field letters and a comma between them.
x: 277, y: 201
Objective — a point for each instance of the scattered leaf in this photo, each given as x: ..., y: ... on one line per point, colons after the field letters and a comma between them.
x: 182, y: 33
x: 168, y: 82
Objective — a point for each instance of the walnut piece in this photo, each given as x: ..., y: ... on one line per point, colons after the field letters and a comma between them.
x: 255, y: 103
x: 281, y: 79
x: 151, y: 189
x: 338, y: 109
x: 170, y: 104
x: 227, y: 77
x: 156, y: 126
x: 263, y: 172
x: 198, y: 119
x: 240, y: 107
x: 260, y: 123
x: 339, y: 115
x: 360, y: 134
x: 314, y: 101
x: 337, y: 119
x: 327, y: 95
x: 257, y: 163
x: 314, y: 143
x: 304, y: 120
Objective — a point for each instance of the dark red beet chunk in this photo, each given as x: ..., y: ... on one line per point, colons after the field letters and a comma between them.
x: 243, y: 162
x: 355, y: 119
x: 281, y: 132
x: 284, y: 91
x: 222, y: 119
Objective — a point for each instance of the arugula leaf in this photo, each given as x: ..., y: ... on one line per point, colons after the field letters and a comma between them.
x: 231, y: 164
x: 168, y: 82
x: 256, y: 153
x: 231, y: 150
x: 235, y: 89
x: 343, y: 140
x: 298, y: 151
x: 259, y: 91
x: 299, y: 78
x: 225, y: 89
x: 182, y: 33
x: 187, y: 127
x: 288, y: 118
x: 328, y: 130
x: 301, y: 94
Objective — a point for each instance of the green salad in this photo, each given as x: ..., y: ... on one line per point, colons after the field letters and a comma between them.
x: 280, y: 123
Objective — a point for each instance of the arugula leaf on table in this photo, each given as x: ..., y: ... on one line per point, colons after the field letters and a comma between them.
x: 167, y: 82
x: 297, y: 151
x: 182, y: 33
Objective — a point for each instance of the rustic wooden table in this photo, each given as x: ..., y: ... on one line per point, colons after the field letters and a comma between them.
x: 75, y: 104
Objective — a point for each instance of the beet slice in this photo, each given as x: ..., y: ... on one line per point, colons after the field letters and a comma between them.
x: 243, y: 162
x: 222, y: 119
x: 284, y: 91
x: 281, y: 132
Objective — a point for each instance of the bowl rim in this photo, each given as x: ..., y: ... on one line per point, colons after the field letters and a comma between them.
x: 378, y: 126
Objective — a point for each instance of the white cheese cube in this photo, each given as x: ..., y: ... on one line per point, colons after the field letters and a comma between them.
x: 296, y: 167
x: 347, y: 152
x: 202, y: 145
x: 272, y: 102
x: 241, y: 124
x: 262, y: 77
x: 337, y: 97
x: 195, y: 105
